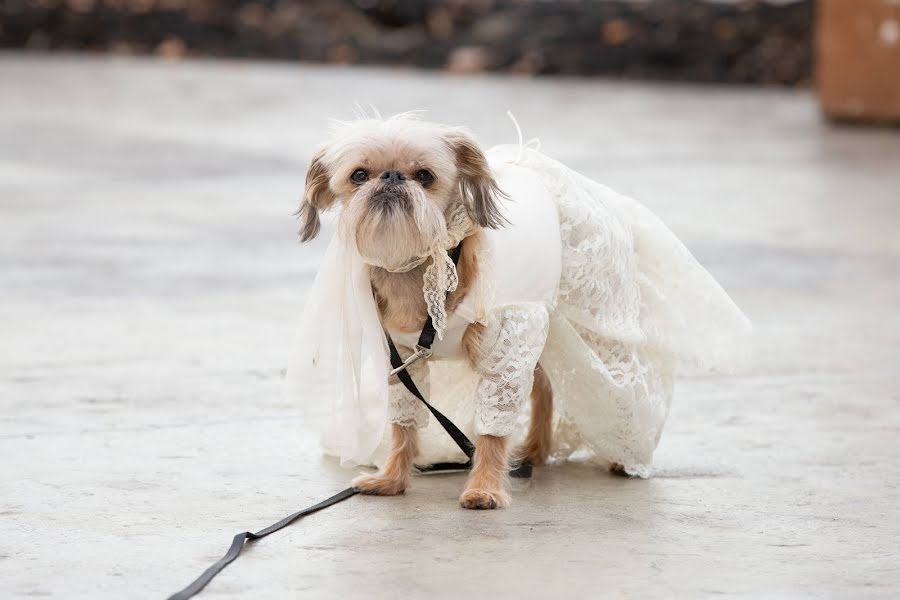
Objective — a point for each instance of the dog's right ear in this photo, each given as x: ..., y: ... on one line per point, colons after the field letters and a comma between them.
x: 317, y: 197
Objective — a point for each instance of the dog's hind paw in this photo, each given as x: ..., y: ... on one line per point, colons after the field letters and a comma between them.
x: 618, y: 469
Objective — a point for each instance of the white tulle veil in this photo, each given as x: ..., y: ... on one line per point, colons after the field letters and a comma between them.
x: 339, y: 364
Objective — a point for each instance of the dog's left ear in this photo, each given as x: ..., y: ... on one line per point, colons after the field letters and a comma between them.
x: 316, y: 197
x: 478, y: 188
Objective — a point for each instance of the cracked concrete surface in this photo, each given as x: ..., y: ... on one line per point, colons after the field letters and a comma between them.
x: 150, y: 277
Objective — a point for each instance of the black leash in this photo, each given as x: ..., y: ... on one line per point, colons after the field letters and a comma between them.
x: 426, y: 339
x: 237, y: 544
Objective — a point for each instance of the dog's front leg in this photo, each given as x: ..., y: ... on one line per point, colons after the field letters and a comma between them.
x: 407, y: 415
x: 394, y: 476
x: 505, y: 353
x: 486, y: 487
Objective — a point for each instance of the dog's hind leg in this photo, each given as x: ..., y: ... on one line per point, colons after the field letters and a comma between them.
x: 536, y: 447
x: 394, y: 476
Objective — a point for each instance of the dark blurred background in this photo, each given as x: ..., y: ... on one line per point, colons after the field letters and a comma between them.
x: 849, y: 49
x: 750, y: 42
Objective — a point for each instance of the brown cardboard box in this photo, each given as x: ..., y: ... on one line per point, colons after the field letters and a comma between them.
x: 858, y: 70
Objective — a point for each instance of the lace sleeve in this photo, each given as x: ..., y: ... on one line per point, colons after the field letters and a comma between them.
x: 404, y: 408
x: 512, y: 345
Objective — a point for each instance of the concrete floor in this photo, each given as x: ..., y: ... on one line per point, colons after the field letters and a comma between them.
x: 150, y: 278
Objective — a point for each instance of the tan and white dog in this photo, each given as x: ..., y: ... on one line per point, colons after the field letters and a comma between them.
x: 562, y: 285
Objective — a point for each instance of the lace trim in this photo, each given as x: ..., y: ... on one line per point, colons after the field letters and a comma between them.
x: 512, y: 343
x: 404, y: 408
x: 439, y: 279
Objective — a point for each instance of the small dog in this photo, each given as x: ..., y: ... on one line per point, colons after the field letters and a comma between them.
x: 550, y: 274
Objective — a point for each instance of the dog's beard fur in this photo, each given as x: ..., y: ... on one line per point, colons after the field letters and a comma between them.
x: 394, y: 226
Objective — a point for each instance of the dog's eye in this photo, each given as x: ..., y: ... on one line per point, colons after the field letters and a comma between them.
x: 425, y: 177
x: 359, y: 176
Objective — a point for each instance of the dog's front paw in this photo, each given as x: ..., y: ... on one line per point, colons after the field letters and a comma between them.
x: 380, y: 485
x: 483, y: 499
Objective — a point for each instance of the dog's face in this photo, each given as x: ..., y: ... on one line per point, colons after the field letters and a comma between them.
x: 394, y: 181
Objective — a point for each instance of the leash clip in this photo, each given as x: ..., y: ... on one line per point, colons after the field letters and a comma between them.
x: 420, y: 353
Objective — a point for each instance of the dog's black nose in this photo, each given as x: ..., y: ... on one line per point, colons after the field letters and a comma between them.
x: 393, y: 176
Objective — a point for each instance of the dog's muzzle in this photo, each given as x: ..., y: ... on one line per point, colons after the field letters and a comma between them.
x: 391, y: 195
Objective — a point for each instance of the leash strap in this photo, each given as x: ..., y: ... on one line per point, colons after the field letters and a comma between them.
x: 237, y: 544
x: 426, y: 339
x: 241, y: 539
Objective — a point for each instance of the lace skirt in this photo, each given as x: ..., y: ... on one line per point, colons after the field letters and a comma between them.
x: 634, y: 308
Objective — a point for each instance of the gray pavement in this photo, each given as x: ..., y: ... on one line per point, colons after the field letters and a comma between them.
x: 150, y: 278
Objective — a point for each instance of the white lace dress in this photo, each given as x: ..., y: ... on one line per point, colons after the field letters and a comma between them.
x: 602, y: 294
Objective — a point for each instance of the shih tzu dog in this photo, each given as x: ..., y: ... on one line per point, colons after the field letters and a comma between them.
x: 561, y: 287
